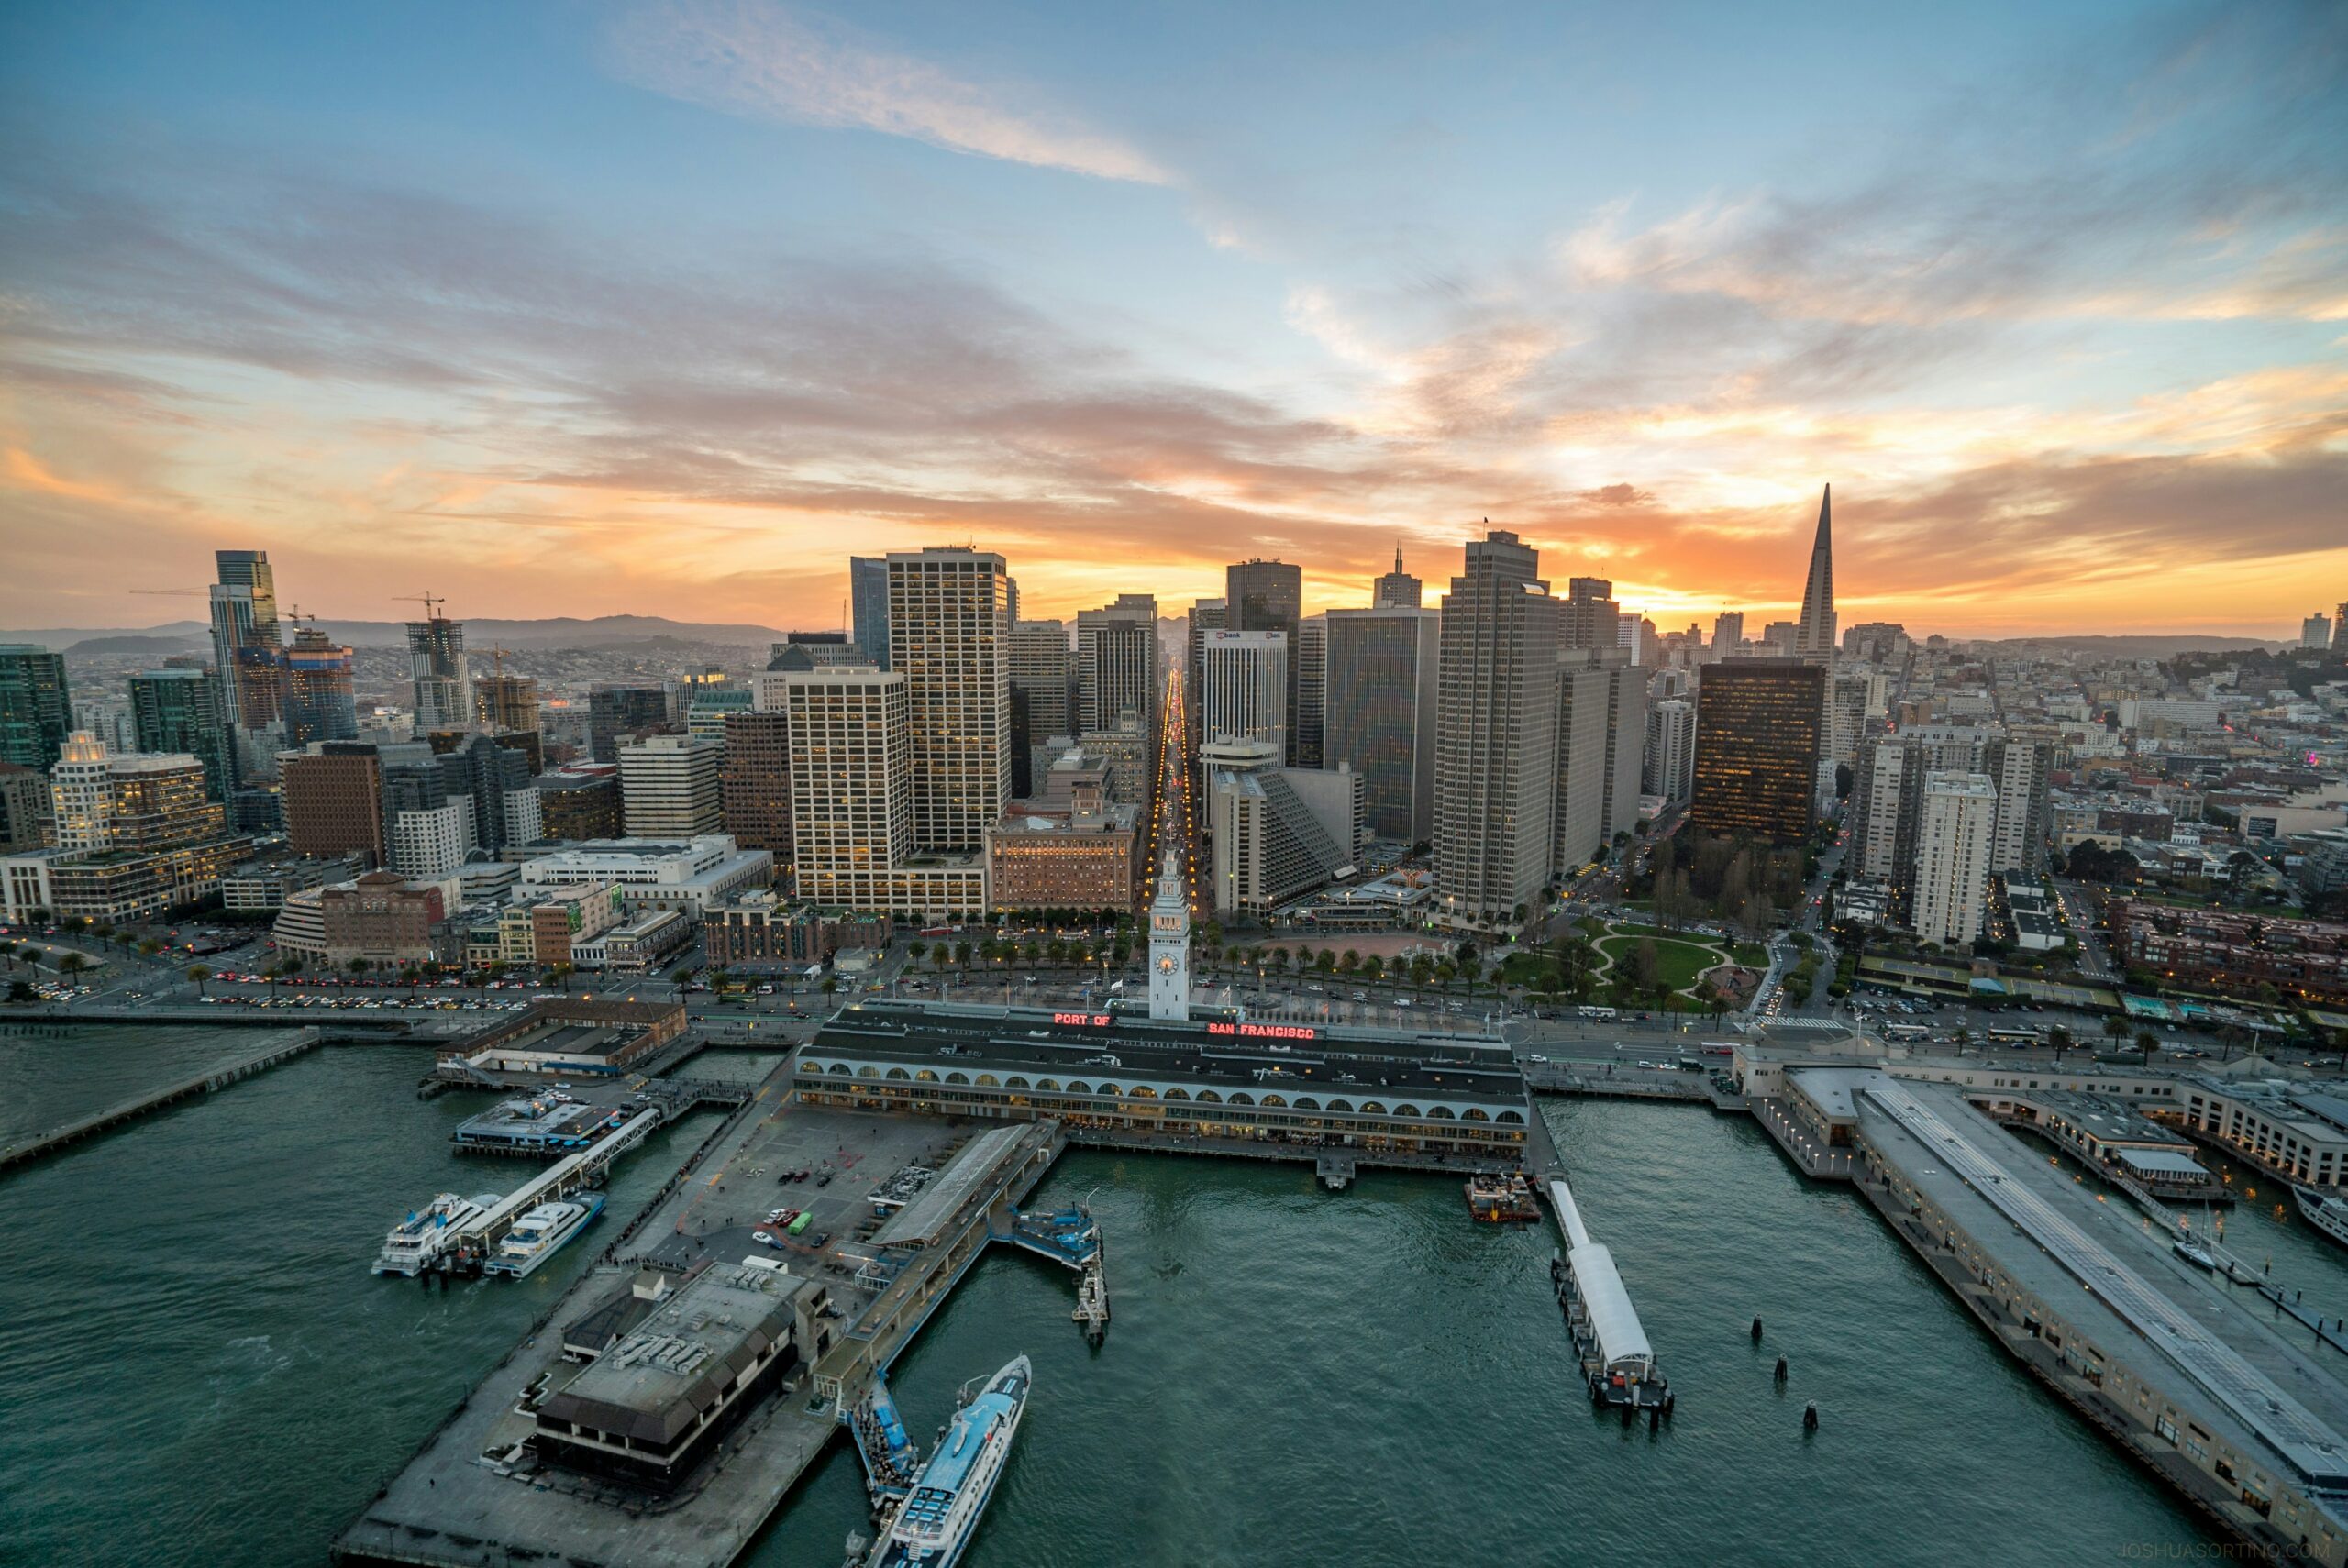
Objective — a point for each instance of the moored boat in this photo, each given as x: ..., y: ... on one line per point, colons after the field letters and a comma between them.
x: 2327, y: 1213
x: 1501, y: 1197
x: 538, y: 1234
x: 417, y: 1240
x: 933, y: 1526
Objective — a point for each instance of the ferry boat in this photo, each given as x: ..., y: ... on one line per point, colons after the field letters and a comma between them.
x: 538, y: 1234
x: 417, y: 1239
x: 933, y: 1527
x: 1501, y: 1197
x: 2327, y: 1214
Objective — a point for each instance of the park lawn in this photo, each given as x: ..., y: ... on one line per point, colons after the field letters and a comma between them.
x: 1676, y: 962
x: 1526, y: 969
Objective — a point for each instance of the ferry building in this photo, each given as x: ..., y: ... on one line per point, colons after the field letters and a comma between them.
x: 1206, y: 1086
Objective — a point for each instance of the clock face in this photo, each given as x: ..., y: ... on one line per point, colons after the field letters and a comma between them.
x: 1166, y: 966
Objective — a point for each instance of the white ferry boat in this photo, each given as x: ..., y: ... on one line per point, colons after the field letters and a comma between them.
x: 933, y: 1527
x: 415, y: 1242
x: 2327, y: 1214
x: 538, y: 1235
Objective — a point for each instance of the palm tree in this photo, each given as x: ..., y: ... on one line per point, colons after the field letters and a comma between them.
x: 2060, y: 1039
x: 72, y: 963
x: 199, y: 973
x: 2145, y: 1043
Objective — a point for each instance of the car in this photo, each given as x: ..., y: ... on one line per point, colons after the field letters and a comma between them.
x: 764, y: 1239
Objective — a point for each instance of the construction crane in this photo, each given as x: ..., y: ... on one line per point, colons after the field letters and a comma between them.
x: 497, y: 657
x: 426, y: 599
x: 294, y: 615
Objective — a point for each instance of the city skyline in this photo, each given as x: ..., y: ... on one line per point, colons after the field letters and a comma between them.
x: 668, y: 308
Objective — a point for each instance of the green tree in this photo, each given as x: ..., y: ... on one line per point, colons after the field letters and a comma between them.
x: 199, y: 973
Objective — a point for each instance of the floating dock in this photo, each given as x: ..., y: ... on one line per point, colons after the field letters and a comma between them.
x: 210, y: 1081
x: 1617, y: 1363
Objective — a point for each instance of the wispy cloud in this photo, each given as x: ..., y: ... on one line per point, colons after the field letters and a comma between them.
x: 764, y: 61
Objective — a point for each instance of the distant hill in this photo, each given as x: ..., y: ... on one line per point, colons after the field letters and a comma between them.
x: 2147, y: 646
x: 556, y: 632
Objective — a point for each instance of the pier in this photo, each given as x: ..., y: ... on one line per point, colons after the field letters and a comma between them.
x: 480, y: 1494
x: 1617, y: 1362
x: 210, y: 1081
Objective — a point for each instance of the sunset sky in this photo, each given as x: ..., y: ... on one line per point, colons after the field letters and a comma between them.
x: 665, y: 308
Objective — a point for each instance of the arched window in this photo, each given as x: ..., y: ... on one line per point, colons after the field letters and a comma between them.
x: 927, y: 1074
x: 898, y: 1073
x: 1108, y: 1088
x: 1079, y: 1088
x: 867, y: 1072
x: 839, y: 1067
x: 957, y: 1078
x: 1014, y: 1081
x: 1474, y: 1114
x: 1410, y: 1111
x: 986, y: 1080
x: 1275, y: 1100
x: 1345, y: 1106
x: 1509, y: 1119
x: 1208, y: 1096
x: 1308, y: 1103
x: 1143, y: 1091
x: 1243, y: 1097
x: 1440, y: 1113
x: 1371, y: 1107
x: 1049, y: 1085
x: 1178, y: 1094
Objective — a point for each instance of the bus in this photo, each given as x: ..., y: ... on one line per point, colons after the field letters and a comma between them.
x: 1598, y: 1012
x: 1904, y: 1031
x: 2015, y: 1036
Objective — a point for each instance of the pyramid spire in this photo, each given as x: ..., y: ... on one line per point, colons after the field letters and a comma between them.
x: 1816, y: 633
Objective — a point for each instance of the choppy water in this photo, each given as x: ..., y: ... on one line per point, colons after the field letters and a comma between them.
x: 195, y: 1367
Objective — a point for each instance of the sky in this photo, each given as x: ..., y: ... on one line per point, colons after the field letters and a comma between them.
x: 668, y: 308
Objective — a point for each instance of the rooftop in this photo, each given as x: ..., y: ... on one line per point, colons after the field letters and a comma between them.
x: 677, y: 1361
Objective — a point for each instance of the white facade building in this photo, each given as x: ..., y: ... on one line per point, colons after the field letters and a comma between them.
x: 663, y: 874
x: 1246, y: 693
x: 1671, y: 749
x: 669, y: 786
x: 1953, y: 835
x: 431, y: 842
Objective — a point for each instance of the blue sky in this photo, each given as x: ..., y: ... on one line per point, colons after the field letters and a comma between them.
x: 666, y: 307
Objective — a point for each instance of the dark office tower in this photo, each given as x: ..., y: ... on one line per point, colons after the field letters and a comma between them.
x: 319, y: 704
x: 1588, y: 618
x: 754, y: 785
x: 1496, y: 732
x: 1398, y: 590
x: 176, y: 711
x: 245, y: 638
x: 35, y: 708
x: 1310, y: 654
x: 497, y: 778
x: 333, y: 799
x: 1814, y: 636
x: 1267, y: 596
x: 1116, y: 663
x: 1380, y: 712
x: 1206, y: 615
x: 1041, y: 695
x: 1756, y: 747
x: 868, y: 599
x: 614, y: 710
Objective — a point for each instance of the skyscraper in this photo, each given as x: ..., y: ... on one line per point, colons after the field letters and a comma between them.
x: 669, y: 786
x: 334, y: 802
x: 2315, y: 632
x: 1671, y: 749
x: 868, y: 597
x: 1043, y: 689
x: 1267, y: 596
x: 1626, y: 738
x: 851, y: 783
x: 1588, y: 617
x: 1953, y: 844
x: 1380, y: 714
x: 435, y: 662
x: 497, y: 779
x: 1245, y: 692
x: 319, y: 701
x: 1578, y: 815
x: 1814, y: 634
x: 179, y: 711
x: 1206, y: 615
x: 506, y: 702
x: 2019, y: 769
x: 1309, y: 653
x: 614, y: 710
x: 948, y: 636
x: 754, y: 786
x: 1116, y: 663
x: 1757, y: 749
x: 1496, y: 754
x: 1728, y: 631
x: 1398, y: 590
x: 36, y: 706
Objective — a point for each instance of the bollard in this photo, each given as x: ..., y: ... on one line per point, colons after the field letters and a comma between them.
x: 1756, y: 1331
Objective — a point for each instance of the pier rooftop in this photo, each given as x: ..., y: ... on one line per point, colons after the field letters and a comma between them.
x: 2158, y: 1345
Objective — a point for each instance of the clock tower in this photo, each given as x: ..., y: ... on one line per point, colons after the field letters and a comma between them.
x: 1170, y: 948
